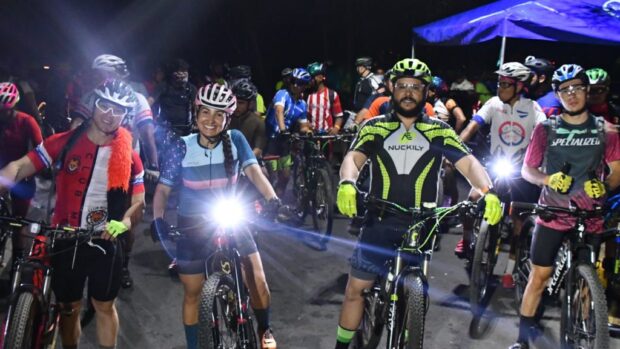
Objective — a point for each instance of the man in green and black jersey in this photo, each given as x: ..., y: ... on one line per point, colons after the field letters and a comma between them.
x: 406, y: 149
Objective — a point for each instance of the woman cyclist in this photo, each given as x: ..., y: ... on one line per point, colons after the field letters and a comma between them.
x: 206, y: 165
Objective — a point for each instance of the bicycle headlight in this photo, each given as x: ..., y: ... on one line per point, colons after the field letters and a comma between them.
x: 228, y: 213
x: 503, y: 168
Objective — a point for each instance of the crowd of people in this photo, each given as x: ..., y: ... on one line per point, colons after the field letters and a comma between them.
x: 112, y: 134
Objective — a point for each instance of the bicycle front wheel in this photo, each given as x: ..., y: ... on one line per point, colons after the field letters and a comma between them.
x: 24, y: 319
x: 415, y: 317
x: 483, y: 264
x: 218, y: 319
x: 323, y: 206
x: 583, y: 322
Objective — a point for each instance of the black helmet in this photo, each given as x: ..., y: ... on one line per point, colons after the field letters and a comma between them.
x: 240, y: 72
x: 539, y: 65
x: 245, y: 90
x: 286, y: 72
x: 364, y: 61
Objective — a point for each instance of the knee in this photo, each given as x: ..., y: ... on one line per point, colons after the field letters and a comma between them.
x: 191, y: 297
x: 537, y: 280
x: 104, y: 307
x: 353, y: 294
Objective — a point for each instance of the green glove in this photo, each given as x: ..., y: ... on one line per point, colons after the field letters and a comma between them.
x: 346, y: 199
x: 594, y: 188
x: 116, y: 228
x: 492, y: 208
x: 559, y: 182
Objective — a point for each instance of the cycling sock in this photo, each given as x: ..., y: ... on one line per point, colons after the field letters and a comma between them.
x: 525, y: 327
x: 344, y: 337
x: 262, y: 319
x: 191, y: 336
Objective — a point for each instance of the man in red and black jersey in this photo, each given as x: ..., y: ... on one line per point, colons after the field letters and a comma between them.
x: 99, y: 185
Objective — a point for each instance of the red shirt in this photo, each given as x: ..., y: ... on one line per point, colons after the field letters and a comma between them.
x: 82, y: 182
x: 17, y: 137
x: 323, y: 107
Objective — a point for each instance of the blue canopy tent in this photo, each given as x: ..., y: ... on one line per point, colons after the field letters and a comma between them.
x: 578, y: 21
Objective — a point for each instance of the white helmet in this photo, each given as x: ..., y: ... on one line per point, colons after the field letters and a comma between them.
x: 515, y: 70
x: 112, y: 64
x: 218, y: 97
x: 118, y: 92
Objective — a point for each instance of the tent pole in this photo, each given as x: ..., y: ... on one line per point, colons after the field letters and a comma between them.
x: 412, y: 49
x: 502, y: 51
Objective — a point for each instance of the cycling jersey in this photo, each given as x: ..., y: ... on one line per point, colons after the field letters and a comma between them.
x: 139, y: 114
x: 82, y: 181
x: 17, y: 137
x: 511, y: 127
x: 294, y: 111
x: 365, y: 87
x: 323, y: 107
x: 443, y: 110
x: 252, y: 127
x: 549, y: 104
x: 173, y: 104
x: 405, y: 164
x: 582, y: 148
x: 260, y: 104
x: 610, y: 112
x: 201, y: 170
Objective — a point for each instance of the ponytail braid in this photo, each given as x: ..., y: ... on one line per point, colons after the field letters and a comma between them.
x: 228, y: 157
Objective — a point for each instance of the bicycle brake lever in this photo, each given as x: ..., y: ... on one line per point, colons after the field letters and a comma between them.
x: 91, y: 244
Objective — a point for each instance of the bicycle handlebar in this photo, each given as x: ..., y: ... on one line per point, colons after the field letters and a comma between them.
x: 58, y: 231
x: 573, y: 211
x: 321, y: 137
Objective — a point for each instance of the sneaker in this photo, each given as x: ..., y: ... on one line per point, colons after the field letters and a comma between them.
x: 267, y: 340
x: 508, y: 281
x: 519, y: 345
x: 461, y: 249
x: 126, y: 280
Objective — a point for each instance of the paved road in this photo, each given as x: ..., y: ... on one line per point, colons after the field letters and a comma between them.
x: 307, y: 290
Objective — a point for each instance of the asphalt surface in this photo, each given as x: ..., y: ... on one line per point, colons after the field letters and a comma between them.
x: 307, y: 289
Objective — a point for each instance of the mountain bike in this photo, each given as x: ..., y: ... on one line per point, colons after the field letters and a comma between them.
x: 583, y: 320
x: 33, y: 316
x: 399, y: 300
x: 313, y: 184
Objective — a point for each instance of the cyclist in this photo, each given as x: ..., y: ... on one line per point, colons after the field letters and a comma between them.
x: 19, y: 133
x: 139, y: 119
x: 512, y: 118
x: 540, y: 87
x: 285, y: 79
x: 100, y: 186
x: 405, y: 148
x: 245, y: 119
x: 586, y: 143
x: 324, y: 107
x: 244, y: 72
x: 446, y: 108
x: 368, y: 84
x: 287, y: 110
x: 597, y: 96
x: 207, y: 164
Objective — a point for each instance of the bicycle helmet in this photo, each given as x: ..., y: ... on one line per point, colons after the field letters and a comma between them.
x: 598, y: 76
x: 118, y: 92
x: 240, y: 72
x: 112, y: 64
x: 316, y: 68
x: 410, y: 67
x: 364, y: 61
x: 9, y: 95
x: 539, y: 65
x: 568, y: 72
x: 244, y: 90
x: 438, y: 84
x: 515, y: 70
x: 217, y: 97
x: 301, y: 75
x: 286, y: 72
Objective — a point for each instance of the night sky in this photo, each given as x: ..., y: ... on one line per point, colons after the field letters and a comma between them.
x: 268, y: 35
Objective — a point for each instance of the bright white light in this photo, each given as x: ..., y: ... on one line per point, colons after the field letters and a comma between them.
x: 46, y: 67
x: 228, y: 213
x: 503, y: 168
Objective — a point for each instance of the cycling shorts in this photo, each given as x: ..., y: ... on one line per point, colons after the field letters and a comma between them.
x: 377, y: 245
x: 198, y: 245
x: 103, y: 271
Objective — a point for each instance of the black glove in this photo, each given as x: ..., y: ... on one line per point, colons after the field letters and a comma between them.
x: 272, y: 206
x: 160, y: 229
x: 285, y: 134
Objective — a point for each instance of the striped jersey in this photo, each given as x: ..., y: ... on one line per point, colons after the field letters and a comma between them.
x: 323, y: 107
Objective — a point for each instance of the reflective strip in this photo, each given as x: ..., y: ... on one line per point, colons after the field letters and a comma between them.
x: 386, y: 179
x: 419, y: 183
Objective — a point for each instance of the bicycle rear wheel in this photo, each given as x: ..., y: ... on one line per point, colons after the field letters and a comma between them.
x: 583, y: 322
x: 217, y: 317
x: 323, y: 206
x: 299, y: 189
x: 483, y: 264
x: 22, y: 324
x: 523, y: 265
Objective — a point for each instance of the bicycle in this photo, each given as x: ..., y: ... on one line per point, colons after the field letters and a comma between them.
x: 5, y: 234
x: 400, y: 300
x: 313, y: 185
x: 583, y: 320
x: 33, y: 316
x: 225, y: 319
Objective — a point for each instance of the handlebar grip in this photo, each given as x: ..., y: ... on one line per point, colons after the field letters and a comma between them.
x: 522, y: 205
